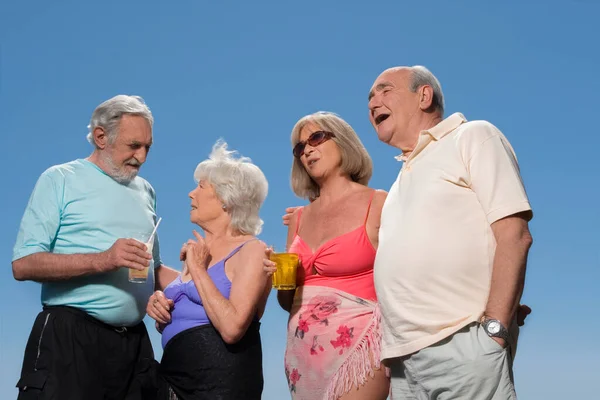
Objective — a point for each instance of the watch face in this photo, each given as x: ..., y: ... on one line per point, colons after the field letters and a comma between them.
x: 493, y: 327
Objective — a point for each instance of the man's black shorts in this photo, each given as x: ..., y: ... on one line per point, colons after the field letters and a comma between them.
x: 72, y: 356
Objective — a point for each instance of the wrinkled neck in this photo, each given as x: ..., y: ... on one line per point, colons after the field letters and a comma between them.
x: 425, y: 122
x: 219, y: 232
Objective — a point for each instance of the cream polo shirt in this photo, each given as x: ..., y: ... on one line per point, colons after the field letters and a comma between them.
x: 436, y: 246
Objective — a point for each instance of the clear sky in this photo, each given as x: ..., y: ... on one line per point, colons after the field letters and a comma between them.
x: 248, y: 71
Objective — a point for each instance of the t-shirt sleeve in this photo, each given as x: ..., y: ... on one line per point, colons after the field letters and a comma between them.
x: 495, y: 176
x: 42, y: 216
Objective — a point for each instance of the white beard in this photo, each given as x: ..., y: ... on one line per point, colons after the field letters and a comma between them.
x: 120, y: 175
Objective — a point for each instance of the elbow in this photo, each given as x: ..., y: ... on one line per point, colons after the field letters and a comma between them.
x: 526, y: 240
x: 231, y: 339
x: 233, y: 334
x: 520, y: 243
x: 18, y: 270
x: 517, y: 238
x: 285, y: 298
x: 285, y: 306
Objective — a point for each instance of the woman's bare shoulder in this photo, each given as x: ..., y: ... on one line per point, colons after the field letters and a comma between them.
x: 253, y: 248
x: 380, y: 195
x: 378, y: 200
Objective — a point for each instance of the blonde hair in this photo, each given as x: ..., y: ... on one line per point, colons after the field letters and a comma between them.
x: 356, y: 162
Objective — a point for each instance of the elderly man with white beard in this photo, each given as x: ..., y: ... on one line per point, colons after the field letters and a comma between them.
x: 78, y: 239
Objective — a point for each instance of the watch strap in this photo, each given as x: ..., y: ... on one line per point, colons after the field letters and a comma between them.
x: 502, y: 333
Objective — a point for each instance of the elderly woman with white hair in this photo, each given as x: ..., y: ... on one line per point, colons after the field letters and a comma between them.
x: 209, y: 315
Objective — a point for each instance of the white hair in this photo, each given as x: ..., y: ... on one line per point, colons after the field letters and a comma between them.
x: 108, y: 115
x: 421, y: 76
x: 239, y: 184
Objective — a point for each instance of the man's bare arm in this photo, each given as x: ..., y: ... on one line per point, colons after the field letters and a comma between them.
x: 42, y: 267
x: 513, y: 241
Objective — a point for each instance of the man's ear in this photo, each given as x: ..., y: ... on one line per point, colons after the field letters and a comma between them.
x: 100, y: 138
x: 425, y: 97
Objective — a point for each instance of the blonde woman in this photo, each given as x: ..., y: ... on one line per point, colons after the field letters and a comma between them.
x: 334, y: 326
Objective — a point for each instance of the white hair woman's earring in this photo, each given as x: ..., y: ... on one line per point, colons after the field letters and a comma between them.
x: 224, y: 207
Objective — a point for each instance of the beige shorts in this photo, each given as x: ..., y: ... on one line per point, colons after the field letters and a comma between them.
x: 467, y: 365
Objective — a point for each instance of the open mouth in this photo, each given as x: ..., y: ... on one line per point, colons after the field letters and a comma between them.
x: 311, y: 162
x: 380, y: 118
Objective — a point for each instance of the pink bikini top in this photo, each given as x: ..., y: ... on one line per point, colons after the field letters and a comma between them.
x: 344, y: 262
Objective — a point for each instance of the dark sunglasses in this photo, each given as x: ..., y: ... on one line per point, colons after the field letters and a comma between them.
x: 315, y: 139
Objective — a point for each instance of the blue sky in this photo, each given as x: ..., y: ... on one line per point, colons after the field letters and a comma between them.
x: 246, y: 73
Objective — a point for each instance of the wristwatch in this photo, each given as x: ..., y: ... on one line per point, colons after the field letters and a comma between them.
x: 494, y: 328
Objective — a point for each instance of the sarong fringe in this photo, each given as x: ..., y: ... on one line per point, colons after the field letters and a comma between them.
x: 361, y: 364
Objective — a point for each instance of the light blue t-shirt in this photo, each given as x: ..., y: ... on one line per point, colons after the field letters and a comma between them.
x: 77, y: 208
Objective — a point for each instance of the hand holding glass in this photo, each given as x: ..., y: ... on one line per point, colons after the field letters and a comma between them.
x: 136, y: 276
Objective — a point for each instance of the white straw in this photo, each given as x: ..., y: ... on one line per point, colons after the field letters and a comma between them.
x: 154, y: 231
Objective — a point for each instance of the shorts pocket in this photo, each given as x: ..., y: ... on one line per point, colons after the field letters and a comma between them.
x: 487, y: 343
x: 31, y: 385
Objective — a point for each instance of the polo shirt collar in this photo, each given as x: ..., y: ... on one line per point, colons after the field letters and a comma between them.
x: 440, y: 130
x: 446, y: 126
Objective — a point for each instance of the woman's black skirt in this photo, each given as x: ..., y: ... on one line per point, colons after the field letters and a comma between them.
x: 197, y: 364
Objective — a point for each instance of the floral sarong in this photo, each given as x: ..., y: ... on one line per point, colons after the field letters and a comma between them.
x: 333, y: 343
